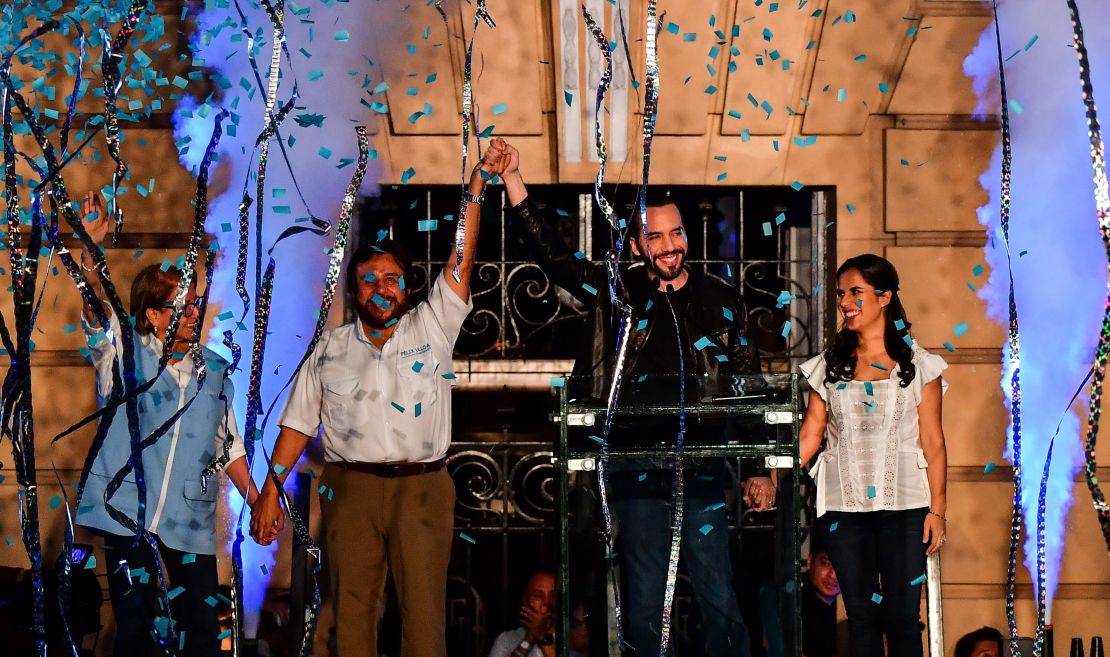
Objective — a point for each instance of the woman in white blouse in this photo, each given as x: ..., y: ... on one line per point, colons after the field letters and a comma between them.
x: 881, y: 477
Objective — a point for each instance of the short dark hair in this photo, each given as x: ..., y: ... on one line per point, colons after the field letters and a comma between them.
x: 365, y: 252
x: 967, y: 642
x: 150, y: 289
x: 817, y: 544
x: 655, y: 197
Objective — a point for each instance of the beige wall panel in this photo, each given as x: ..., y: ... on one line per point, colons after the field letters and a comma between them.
x: 680, y: 160
x: 938, y: 190
x: 150, y: 153
x: 753, y: 162
x: 62, y: 396
x: 166, y: 63
x: 404, y: 70
x: 436, y: 160
x: 877, y: 32
x: 51, y: 521
x: 979, y: 536
x: 61, y: 307
x: 936, y: 297
x: 791, y: 31
x: 975, y: 418
x: 1084, y: 550
x: 932, y: 80
x: 963, y: 615
x: 684, y: 105
x: 508, y: 61
x: 978, y: 533
x: 1084, y: 617
x: 846, y: 248
x: 853, y: 177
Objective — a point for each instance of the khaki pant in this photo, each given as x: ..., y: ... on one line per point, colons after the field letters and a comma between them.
x: 372, y: 524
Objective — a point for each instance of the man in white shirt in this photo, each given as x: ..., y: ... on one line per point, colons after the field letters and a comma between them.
x: 378, y: 390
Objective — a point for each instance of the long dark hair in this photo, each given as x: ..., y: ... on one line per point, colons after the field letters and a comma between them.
x: 840, y: 357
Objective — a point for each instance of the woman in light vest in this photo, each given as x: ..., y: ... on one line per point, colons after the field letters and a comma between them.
x: 180, y: 500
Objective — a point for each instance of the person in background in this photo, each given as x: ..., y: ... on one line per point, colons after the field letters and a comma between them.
x: 536, y: 635
x: 983, y: 642
x: 819, y: 592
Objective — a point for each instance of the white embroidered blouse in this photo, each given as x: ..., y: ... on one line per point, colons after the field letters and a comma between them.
x: 873, y: 459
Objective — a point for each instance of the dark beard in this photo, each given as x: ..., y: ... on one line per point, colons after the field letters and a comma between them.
x: 654, y: 267
x: 375, y: 322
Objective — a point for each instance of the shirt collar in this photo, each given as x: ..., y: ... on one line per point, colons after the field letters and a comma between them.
x: 360, y: 330
x: 151, y: 341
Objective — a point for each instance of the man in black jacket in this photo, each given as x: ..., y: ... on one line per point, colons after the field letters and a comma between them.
x: 671, y: 306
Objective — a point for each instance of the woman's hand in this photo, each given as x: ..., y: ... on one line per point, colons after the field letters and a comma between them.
x: 93, y: 217
x: 933, y: 533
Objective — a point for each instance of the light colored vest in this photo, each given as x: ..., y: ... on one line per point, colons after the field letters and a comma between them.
x: 183, y: 517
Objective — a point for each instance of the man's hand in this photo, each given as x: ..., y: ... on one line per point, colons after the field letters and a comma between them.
x: 759, y: 493
x: 267, y: 518
x: 536, y: 623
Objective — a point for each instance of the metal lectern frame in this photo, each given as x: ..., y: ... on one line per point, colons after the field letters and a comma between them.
x: 779, y: 449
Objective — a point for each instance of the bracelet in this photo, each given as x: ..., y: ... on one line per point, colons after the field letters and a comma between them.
x: 932, y: 513
x: 472, y: 198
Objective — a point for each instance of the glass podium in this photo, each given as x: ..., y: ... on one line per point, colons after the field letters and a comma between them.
x: 736, y: 426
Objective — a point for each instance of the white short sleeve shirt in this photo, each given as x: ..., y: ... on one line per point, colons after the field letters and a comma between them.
x: 873, y: 458
x: 388, y: 405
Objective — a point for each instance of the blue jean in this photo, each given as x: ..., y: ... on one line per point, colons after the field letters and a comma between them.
x: 879, y: 553
x: 643, y: 509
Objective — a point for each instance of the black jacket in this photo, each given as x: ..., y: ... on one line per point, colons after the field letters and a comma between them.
x: 715, y: 312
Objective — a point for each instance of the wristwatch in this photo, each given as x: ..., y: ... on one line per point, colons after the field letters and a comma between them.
x: 471, y: 198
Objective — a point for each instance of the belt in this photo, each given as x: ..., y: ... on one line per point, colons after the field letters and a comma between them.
x: 391, y: 470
